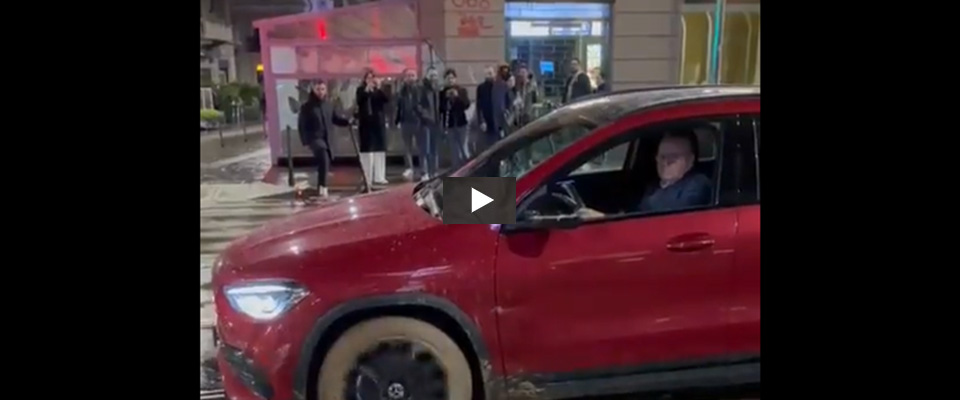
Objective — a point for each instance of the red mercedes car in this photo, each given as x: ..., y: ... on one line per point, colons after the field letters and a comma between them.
x: 373, y: 297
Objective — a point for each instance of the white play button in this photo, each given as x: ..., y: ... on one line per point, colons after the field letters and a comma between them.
x: 478, y: 200
x: 486, y: 201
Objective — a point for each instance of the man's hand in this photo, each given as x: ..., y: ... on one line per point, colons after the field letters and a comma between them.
x: 589, y: 213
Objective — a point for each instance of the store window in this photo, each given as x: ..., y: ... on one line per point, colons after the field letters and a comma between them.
x: 721, y: 42
x: 546, y: 36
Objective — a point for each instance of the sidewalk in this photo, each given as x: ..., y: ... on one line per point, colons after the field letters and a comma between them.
x: 255, y: 128
x: 234, y: 147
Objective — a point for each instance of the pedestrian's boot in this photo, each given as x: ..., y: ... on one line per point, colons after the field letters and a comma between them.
x: 322, y: 192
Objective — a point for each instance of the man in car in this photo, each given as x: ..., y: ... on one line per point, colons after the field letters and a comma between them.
x: 679, y: 187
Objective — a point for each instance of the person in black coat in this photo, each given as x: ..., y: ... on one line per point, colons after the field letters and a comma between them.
x: 430, y: 115
x: 453, y: 114
x: 484, y: 108
x: 315, y: 123
x: 578, y: 83
x: 495, y: 108
x: 372, y: 126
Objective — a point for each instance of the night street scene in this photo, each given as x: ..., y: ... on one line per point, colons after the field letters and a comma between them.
x: 629, y: 129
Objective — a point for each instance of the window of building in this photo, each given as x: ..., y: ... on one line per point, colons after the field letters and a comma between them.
x: 720, y: 45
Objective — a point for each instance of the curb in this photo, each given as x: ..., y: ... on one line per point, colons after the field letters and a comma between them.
x: 214, y: 136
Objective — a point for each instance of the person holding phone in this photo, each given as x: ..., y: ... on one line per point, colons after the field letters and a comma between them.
x: 371, y: 100
x: 453, y: 112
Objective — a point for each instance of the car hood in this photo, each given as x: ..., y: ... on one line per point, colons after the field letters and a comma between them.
x: 346, y: 221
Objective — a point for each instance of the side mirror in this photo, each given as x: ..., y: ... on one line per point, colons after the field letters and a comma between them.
x: 543, y: 222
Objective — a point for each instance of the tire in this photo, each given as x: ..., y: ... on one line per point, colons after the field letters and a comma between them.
x: 361, y: 337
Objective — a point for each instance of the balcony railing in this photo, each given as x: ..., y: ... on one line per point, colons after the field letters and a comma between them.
x: 215, y: 31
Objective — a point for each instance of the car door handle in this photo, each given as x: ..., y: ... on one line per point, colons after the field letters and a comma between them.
x: 690, y: 242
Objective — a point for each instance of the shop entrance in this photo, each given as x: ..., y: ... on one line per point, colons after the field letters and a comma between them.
x: 546, y: 36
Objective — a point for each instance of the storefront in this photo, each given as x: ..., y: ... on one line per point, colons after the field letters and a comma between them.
x: 546, y: 36
x: 636, y: 43
x: 720, y: 42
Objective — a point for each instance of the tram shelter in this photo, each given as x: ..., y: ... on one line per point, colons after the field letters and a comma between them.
x: 337, y: 46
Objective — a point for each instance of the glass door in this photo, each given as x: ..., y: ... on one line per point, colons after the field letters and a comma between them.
x: 547, y: 36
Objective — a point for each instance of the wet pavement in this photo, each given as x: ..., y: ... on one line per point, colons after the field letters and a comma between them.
x: 235, y: 143
x: 239, y: 158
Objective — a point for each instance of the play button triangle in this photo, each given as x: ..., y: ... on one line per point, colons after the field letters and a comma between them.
x: 478, y: 200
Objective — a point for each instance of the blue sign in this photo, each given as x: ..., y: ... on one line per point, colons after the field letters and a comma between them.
x: 546, y: 67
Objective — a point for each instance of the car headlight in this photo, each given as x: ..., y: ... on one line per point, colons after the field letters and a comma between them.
x: 264, y: 300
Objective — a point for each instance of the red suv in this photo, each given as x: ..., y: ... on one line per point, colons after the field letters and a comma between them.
x: 373, y: 297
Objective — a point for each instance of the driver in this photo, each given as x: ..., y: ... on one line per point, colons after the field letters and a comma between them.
x: 679, y: 187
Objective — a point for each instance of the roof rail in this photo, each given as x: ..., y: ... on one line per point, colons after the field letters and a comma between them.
x: 645, y: 89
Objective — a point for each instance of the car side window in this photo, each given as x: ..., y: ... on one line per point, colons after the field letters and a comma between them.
x: 741, y: 183
x: 684, y: 175
x: 611, y: 160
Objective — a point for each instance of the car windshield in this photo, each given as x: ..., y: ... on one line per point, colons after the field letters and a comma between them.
x: 519, y: 153
x: 523, y: 150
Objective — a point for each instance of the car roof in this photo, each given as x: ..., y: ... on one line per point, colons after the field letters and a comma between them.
x: 644, y: 96
x: 619, y: 103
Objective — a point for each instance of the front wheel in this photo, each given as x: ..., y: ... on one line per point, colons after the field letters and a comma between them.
x: 395, y: 358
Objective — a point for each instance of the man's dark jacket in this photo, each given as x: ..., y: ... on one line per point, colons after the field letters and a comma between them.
x: 315, y: 122
x: 454, y: 110
x: 581, y: 87
x: 411, y: 104
x: 484, y: 112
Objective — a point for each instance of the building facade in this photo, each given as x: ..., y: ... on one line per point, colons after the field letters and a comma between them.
x: 244, y: 12
x: 635, y: 43
x: 217, y: 43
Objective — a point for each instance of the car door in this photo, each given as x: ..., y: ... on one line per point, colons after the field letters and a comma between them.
x: 626, y: 291
x: 745, y: 310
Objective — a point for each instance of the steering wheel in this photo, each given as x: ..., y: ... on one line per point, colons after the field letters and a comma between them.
x: 567, y: 201
x: 573, y: 198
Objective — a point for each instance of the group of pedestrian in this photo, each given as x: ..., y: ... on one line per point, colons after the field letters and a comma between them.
x: 430, y: 111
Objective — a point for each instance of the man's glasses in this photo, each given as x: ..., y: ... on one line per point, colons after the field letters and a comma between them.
x: 670, y: 158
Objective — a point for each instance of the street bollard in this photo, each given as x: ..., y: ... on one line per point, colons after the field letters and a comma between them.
x: 243, y: 122
x: 220, y: 132
x: 288, y: 133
